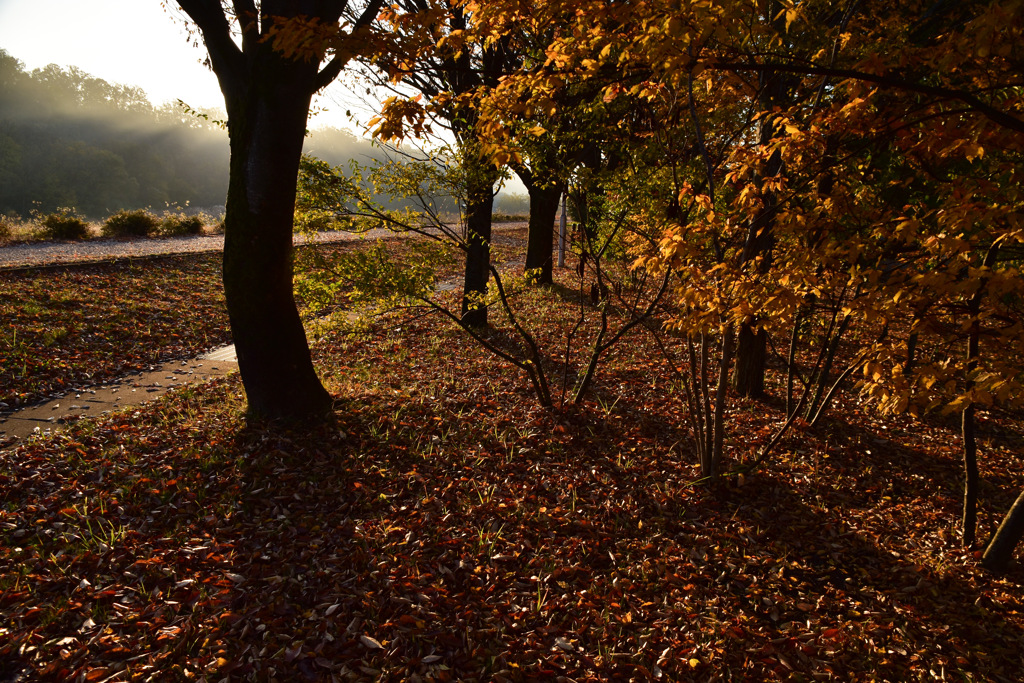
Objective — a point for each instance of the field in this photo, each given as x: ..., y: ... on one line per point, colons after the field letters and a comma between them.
x: 445, y: 527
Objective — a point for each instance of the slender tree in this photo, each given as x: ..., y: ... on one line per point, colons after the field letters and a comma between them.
x: 450, y: 69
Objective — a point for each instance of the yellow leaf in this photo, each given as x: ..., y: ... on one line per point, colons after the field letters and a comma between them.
x: 791, y: 15
x: 537, y: 131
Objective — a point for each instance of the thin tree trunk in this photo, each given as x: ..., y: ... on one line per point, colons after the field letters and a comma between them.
x: 970, y: 513
x: 723, y: 382
x: 1000, y: 550
x: 791, y: 368
x: 821, y: 378
x: 479, y: 204
x: 751, y: 349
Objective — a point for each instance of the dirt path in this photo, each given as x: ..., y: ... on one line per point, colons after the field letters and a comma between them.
x: 61, y: 253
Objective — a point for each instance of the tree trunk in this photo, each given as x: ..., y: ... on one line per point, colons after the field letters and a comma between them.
x: 479, y: 204
x: 718, y: 425
x: 540, y: 240
x: 970, y: 512
x: 1000, y: 550
x: 267, y: 127
x: 971, y: 477
x: 751, y: 350
x: 751, y: 353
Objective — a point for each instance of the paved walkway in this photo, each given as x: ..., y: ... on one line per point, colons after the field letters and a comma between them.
x: 132, y: 390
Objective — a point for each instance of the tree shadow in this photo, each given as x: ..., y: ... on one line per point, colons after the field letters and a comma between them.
x: 388, y: 544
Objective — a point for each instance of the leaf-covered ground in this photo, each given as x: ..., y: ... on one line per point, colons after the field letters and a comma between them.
x: 82, y: 325
x: 443, y: 528
x: 67, y: 327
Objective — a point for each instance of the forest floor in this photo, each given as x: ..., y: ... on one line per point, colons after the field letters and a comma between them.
x: 444, y: 527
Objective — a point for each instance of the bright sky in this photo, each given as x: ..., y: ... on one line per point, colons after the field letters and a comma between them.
x: 132, y: 42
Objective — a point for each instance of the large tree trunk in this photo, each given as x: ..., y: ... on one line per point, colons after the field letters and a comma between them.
x: 540, y: 240
x: 267, y: 94
x: 267, y: 127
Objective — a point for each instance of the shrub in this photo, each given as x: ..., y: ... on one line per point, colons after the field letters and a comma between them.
x: 174, y: 224
x: 64, y: 224
x: 509, y: 218
x: 138, y: 223
x: 6, y: 230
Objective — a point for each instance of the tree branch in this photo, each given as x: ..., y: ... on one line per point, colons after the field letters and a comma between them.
x: 334, y: 67
x: 226, y: 58
x: 998, y: 117
x: 249, y: 23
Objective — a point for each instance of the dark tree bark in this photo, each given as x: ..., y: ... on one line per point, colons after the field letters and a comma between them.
x: 544, y: 191
x: 266, y: 131
x: 751, y: 352
x: 1000, y: 550
x: 267, y: 97
x: 479, y: 205
x: 459, y: 73
x: 969, y: 519
x: 541, y: 237
x: 748, y: 373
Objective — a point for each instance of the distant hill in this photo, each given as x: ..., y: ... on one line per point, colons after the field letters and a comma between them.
x: 69, y: 139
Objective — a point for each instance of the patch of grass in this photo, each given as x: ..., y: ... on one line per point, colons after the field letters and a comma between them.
x: 509, y: 218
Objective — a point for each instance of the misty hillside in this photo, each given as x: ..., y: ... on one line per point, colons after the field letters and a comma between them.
x: 69, y: 139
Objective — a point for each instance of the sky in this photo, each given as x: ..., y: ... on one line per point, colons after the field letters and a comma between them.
x: 142, y: 43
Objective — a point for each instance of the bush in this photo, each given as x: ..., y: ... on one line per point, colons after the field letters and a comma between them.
x: 174, y: 224
x: 64, y: 224
x: 6, y: 230
x: 509, y: 218
x: 138, y: 223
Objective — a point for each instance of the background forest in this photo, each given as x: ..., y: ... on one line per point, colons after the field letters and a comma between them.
x: 68, y: 139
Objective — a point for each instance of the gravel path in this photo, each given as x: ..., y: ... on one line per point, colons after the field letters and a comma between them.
x: 54, y: 253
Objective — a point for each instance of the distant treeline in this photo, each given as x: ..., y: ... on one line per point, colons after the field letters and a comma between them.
x: 68, y: 139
